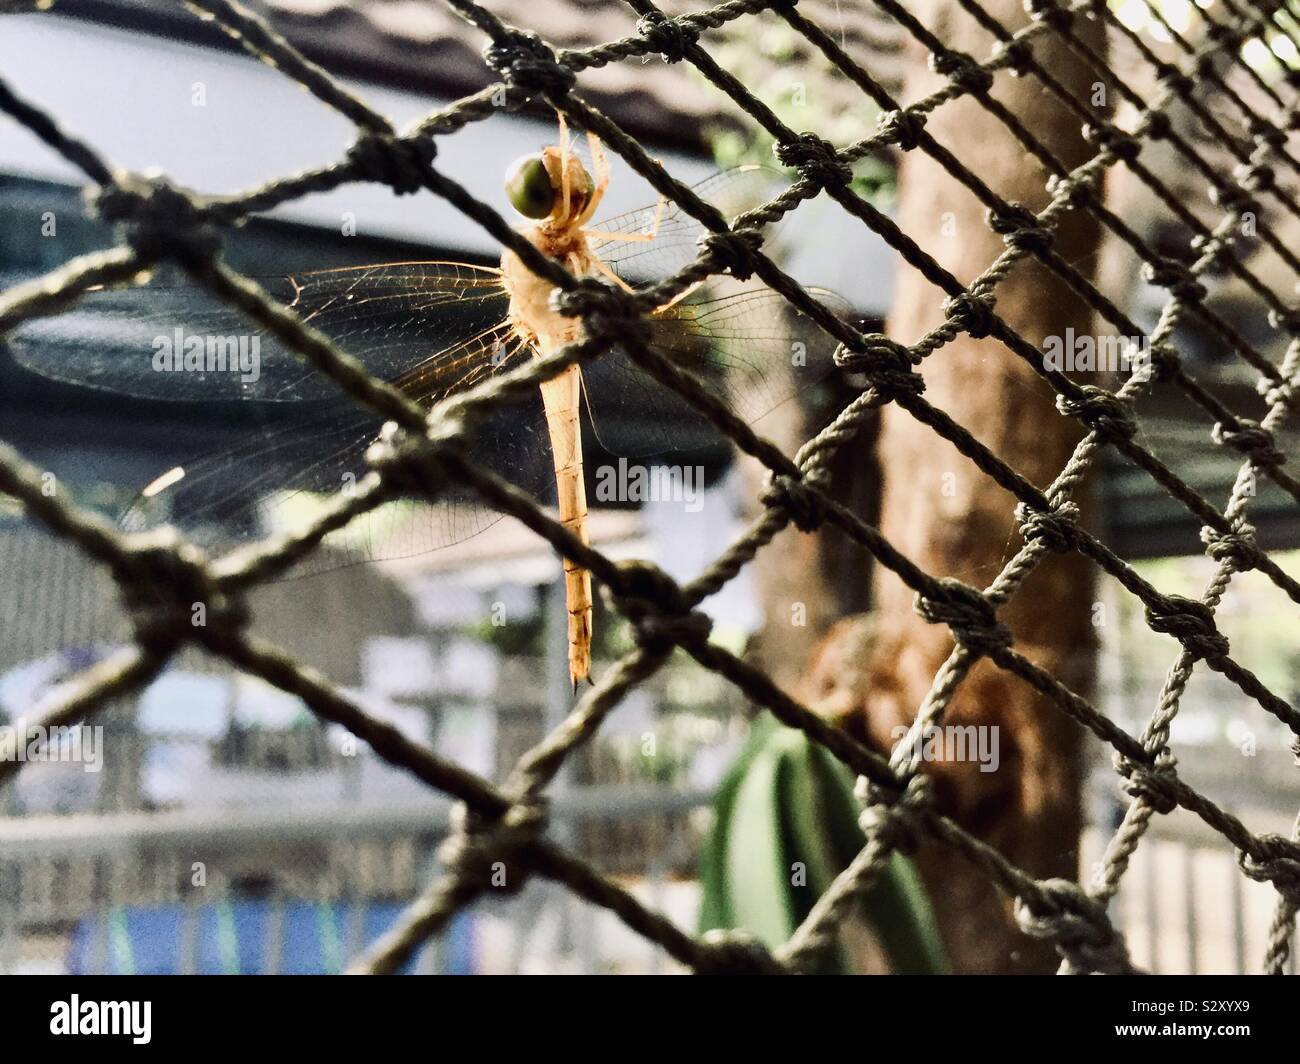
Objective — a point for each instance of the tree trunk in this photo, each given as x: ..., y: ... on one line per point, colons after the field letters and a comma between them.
x: 952, y: 520
x: 808, y: 582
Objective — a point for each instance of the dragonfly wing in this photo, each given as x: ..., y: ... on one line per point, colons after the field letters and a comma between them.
x: 279, y: 478
x: 676, y: 233
x: 752, y: 347
x: 178, y: 342
x: 428, y: 328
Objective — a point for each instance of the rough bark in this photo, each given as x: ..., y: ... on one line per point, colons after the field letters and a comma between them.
x: 808, y: 582
x: 952, y: 520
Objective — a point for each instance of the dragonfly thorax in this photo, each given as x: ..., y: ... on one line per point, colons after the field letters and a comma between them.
x: 533, y: 319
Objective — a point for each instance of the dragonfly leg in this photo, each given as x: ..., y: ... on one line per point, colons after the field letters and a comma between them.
x: 653, y: 230
x: 564, y: 165
x: 600, y: 179
x: 595, y: 261
x: 678, y: 298
x: 618, y: 238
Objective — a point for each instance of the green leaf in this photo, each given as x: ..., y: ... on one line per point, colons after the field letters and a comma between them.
x: 715, y: 907
x: 787, y: 800
x: 758, y: 883
x: 803, y: 817
x: 896, y: 906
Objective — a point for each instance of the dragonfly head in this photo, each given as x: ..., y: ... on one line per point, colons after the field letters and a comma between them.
x: 535, y: 186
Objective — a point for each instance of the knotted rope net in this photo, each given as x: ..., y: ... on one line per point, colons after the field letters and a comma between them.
x: 499, y: 837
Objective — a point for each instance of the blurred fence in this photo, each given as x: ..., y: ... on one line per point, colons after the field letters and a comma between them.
x: 283, y: 891
x: 502, y: 828
x: 1183, y: 907
x: 303, y: 887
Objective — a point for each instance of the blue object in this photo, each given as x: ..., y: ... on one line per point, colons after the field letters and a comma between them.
x: 231, y: 938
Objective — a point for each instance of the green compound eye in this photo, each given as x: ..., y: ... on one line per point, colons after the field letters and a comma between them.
x: 529, y: 187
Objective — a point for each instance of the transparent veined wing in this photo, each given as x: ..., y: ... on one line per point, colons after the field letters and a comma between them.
x: 178, y: 342
x: 754, y: 350
x: 429, y: 328
x: 278, y: 477
x: 676, y: 233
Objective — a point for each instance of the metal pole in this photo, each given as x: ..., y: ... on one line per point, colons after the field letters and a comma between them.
x: 1152, y: 899
x: 1238, y: 903
x: 11, y: 914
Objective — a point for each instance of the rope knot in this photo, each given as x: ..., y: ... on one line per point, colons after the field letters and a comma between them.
x: 1071, y: 191
x: 402, y: 163
x: 1113, y: 140
x: 1234, y: 199
x: 1258, y: 177
x: 733, y: 951
x: 1236, y: 548
x: 1174, y: 79
x: 1252, y: 440
x: 1212, y: 251
x: 972, y: 618
x: 1060, y: 912
x: 1278, y: 862
x: 1175, y: 277
x: 1105, y: 413
x: 1265, y: 134
x: 606, y: 311
x: 1163, y: 361
x: 160, y: 220
x: 1278, y: 394
x: 1156, y: 785
x: 898, y: 821
x: 1057, y: 529
x: 406, y: 462
x: 815, y: 158
x: 962, y: 71
x: 902, y: 128
x: 666, y: 35
x: 1016, y: 56
x: 171, y: 590
x: 1019, y: 228
x: 1050, y: 12
x: 1191, y: 623
x: 971, y: 313
x: 1156, y: 125
x: 483, y: 851
x: 1288, y: 319
x: 733, y: 251
x: 526, y: 62
x: 805, y: 507
x: 653, y: 603
x: 886, y: 364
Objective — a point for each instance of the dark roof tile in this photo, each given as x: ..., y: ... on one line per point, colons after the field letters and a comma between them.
x: 424, y: 47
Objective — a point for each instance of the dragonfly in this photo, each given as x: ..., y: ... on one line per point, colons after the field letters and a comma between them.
x: 433, y: 329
